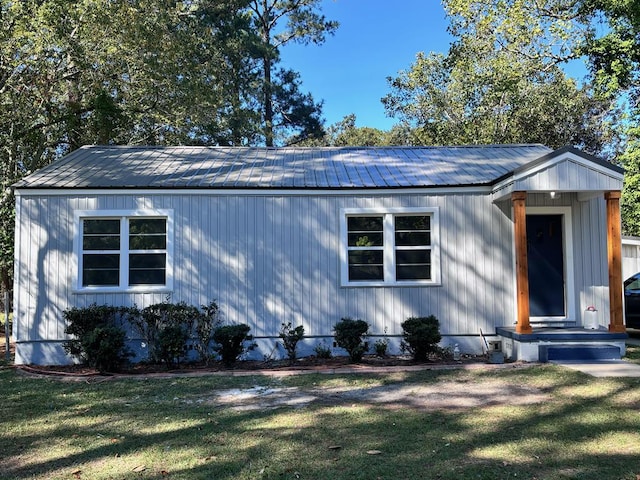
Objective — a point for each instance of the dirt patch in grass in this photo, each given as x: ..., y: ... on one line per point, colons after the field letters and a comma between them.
x: 443, y: 395
x: 446, y: 395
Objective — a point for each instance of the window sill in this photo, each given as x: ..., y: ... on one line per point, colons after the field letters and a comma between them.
x: 136, y: 289
x: 392, y: 284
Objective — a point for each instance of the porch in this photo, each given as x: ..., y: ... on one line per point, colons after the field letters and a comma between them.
x: 543, y: 344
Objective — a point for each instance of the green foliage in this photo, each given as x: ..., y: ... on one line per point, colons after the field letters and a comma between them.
x: 206, y: 322
x: 284, y: 108
x: 98, y: 340
x: 322, y: 350
x: 630, y: 201
x: 290, y: 337
x: 172, y: 342
x: 349, y: 335
x: 232, y: 341
x: 421, y: 336
x: 151, y: 321
x: 345, y: 133
x: 380, y: 346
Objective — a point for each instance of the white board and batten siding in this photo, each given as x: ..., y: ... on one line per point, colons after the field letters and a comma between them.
x: 630, y: 256
x: 273, y: 259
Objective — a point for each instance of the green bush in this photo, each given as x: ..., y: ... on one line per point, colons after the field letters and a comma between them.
x: 98, y: 340
x: 349, y: 335
x: 380, y: 346
x: 322, y: 350
x: 207, y: 320
x: 152, y: 320
x: 172, y: 342
x: 290, y: 338
x: 232, y: 341
x: 421, y: 336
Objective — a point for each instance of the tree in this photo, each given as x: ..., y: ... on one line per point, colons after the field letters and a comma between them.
x: 304, y: 24
x: 345, y: 133
x: 614, y: 59
x: 607, y: 34
x: 74, y: 72
x: 499, y: 83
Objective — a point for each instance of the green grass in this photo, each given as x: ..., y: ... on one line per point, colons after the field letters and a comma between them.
x: 633, y: 353
x: 587, y: 429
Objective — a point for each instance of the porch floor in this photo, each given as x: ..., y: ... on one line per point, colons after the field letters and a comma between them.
x: 535, y: 346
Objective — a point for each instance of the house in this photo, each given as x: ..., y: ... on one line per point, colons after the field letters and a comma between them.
x: 504, y: 240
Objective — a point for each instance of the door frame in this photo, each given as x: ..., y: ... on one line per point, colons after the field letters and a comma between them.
x: 569, y: 276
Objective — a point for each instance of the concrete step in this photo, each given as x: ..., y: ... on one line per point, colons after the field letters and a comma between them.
x: 584, y: 352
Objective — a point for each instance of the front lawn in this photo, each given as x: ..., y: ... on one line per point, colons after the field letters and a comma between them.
x: 577, y: 427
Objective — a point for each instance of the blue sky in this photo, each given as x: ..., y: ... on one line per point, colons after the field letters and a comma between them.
x: 375, y: 40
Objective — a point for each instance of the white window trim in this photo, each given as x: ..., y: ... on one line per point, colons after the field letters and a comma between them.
x: 389, y: 250
x: 79, y: 215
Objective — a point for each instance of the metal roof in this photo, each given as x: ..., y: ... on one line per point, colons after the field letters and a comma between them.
x: 101, y: 167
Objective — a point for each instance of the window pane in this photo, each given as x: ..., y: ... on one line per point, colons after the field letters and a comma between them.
x: 147, y: 234
x: 147, y: 269
x: 99, y: 234
x: 364, y: 224
x: 413, y: 264
x: 417, y: 272
x: 100, y: 270
x: 413, y: 222
x: 101, y: 242
x: 147, y: 277
x: 413, y: 230
x: 413, y: 256
x: 101, y: 226
x: 365, y: 240
x: 147, y: 225
x: 365, y: 231
x: 148, y: 242
x: 147, y: 260
x: 370, y: 273
x: 413, y: 238
x: 366, y: 265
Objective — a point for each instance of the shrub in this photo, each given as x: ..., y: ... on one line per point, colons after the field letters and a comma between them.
x: 232, y: 341
x: 207, y: 320
x: 322, y: 350
x: 172, y: 341
x: 152, y: 320
x: 421, y: 336
x: 349, y: 335
x: 290, y: 338
x: 98, y: 339
x: 380, y: 346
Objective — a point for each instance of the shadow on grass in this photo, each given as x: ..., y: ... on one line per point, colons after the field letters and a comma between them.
x: 588, y: 429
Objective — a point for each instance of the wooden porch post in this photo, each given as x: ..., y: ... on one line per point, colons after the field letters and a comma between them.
x: 522, y: 268
x: 614, y: 256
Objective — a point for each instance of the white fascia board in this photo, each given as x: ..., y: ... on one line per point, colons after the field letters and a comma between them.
x: 258, y: 192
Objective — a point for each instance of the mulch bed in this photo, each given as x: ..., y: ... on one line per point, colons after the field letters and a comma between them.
x: 307, y: 363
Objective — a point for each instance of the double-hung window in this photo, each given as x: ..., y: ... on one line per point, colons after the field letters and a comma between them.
x: 124, y: 250
x: 390, y: 247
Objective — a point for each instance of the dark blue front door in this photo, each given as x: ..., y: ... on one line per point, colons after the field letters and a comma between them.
x: 545, y: 253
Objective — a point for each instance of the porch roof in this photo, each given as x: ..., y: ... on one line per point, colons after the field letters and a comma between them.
x: 563, y: 170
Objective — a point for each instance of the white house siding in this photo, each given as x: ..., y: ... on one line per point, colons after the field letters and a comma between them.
x: 630, y: 256
x: 568, y: 173
x: 268, y: 259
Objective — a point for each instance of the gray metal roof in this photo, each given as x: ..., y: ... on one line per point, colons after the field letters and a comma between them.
x: 99, y: 167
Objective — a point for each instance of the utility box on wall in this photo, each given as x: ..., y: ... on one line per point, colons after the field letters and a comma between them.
x: 495, y: 353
